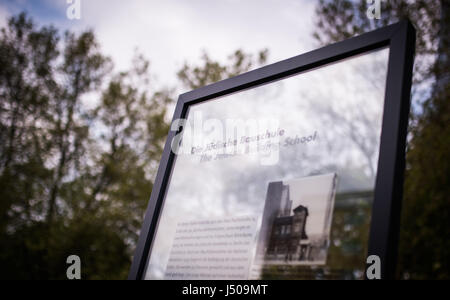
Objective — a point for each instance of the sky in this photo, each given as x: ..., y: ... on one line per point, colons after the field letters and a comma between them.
x: 172, y: 32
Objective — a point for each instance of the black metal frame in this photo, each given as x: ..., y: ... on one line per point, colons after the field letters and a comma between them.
x: 384, y: 229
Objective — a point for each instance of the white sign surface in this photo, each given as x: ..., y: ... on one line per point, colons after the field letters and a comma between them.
x: 212, y: 249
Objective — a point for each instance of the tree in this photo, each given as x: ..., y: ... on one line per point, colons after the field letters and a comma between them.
x: 424, y: 248
x: 337, y: 20
x: 426, y: 206
x: 74, y: 180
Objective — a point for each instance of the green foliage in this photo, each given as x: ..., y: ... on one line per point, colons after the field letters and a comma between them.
x: 424, y: 251
x: 212, y: 71
x: 74, y: 180
x: 424, y: 246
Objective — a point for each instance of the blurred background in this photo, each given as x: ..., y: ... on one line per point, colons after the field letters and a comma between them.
x: 87, y: 93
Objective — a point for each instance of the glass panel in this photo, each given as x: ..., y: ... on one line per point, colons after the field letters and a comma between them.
x: 277, y: 182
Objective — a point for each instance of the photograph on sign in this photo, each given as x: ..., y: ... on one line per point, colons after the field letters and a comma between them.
x: 296, y: 221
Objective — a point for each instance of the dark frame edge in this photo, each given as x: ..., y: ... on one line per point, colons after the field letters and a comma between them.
x: 386, y: 211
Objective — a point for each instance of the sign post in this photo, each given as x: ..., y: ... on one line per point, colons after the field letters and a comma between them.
x: 290, y: 171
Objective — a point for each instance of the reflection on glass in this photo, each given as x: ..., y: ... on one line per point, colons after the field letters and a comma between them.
x: 297, y: 206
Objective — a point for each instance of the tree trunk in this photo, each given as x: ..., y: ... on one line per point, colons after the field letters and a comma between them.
x: 443, y: 60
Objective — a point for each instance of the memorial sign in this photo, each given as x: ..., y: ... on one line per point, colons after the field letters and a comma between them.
x: 291, y: 171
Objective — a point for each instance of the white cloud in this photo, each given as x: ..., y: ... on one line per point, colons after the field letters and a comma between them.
x: 170, y: 32
x: 4, y: 15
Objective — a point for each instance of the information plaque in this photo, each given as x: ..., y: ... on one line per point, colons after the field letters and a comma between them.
x: 290, y: 171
